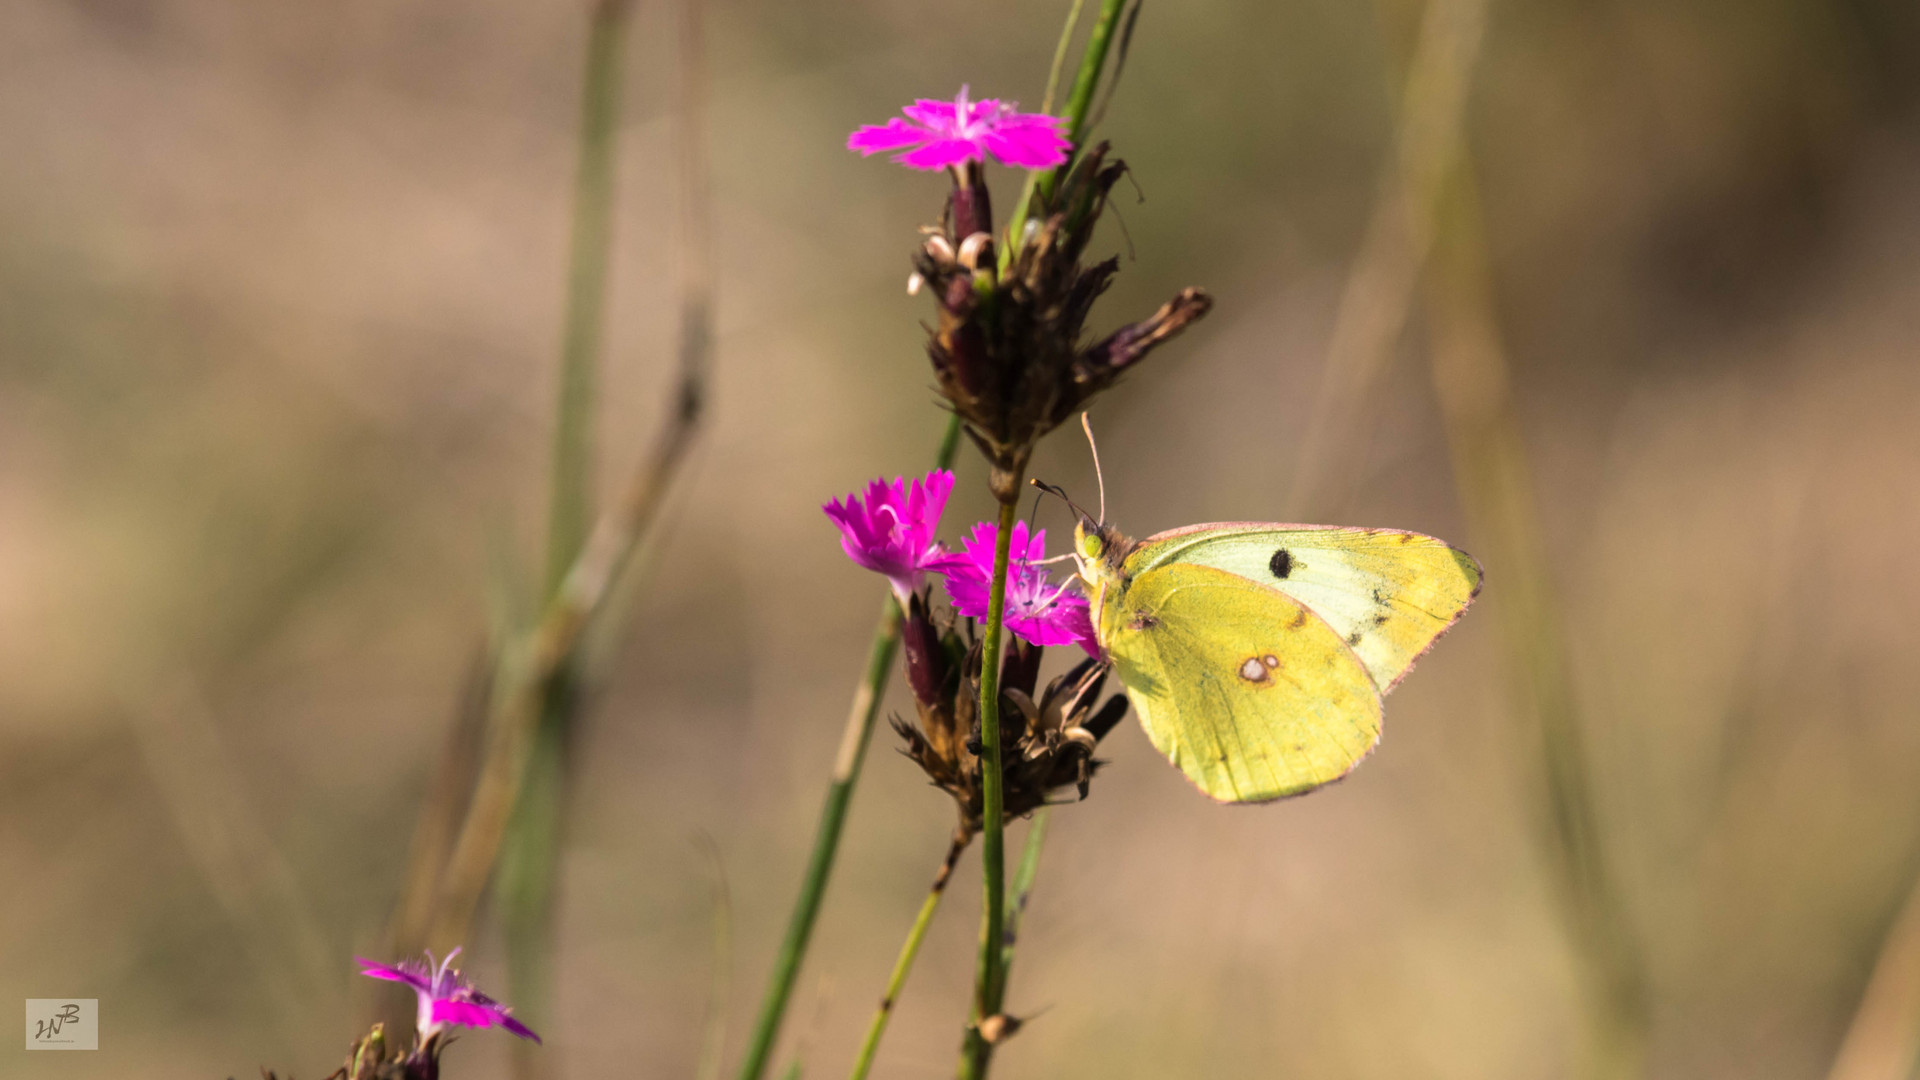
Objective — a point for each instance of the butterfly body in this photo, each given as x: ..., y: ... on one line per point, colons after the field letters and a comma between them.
x: 1256, y: 654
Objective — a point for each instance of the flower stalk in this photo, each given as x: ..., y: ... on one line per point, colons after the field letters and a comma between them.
x: 571, y: 512
x: 987, y: 981
x: 534, y: 665
x: 1092, y: 64
x: 1012, y: 358
x: 529, y: 853
x: 833, y: 817
x: 909, y: 950
x: 1079, y: 101
x: 1022, y: 892
x: 826, y: 841
x: 1047, y: 737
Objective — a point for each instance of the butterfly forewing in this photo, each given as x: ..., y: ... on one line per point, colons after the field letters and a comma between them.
x: 1248, y: 692
x: 1387, y: 594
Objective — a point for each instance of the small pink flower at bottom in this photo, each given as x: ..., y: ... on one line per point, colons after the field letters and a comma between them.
x: 945, y: 133
x: 891, y: 531
x: 446, y: 999
x: 1037, y: 610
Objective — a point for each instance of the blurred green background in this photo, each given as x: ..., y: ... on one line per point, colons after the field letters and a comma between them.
x: 280, y: 295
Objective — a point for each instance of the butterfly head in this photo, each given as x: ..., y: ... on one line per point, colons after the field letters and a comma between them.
x: 1098, y: 548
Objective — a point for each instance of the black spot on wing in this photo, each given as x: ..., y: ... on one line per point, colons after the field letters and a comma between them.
x: 1281, y: 564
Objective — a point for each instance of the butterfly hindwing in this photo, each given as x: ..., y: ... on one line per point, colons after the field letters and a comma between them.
x: 1246, y: 690
x: 1387, y: 594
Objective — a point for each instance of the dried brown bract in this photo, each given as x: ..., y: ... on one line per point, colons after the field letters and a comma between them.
x: 1007, y: 350
x: 372, y: 1059
x: 1047, y: 743
x: 999, y: 1027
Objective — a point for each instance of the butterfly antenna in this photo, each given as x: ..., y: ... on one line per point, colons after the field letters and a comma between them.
x: 1063, y: 497
x: 1033, y: 513
x: 1097, y: 476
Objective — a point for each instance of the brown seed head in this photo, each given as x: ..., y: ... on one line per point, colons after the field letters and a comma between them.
x: 1007, y: 350
x: 1047, y: 744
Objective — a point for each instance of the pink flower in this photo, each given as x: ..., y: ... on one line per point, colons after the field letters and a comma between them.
x: 445, y: 998
x: 946, y: 133
x: 891, y: 531
x: 1037, y: 610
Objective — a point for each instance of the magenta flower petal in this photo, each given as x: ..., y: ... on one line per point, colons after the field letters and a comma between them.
x: 1079, y: 620
x: 445, y: 999
x: 381, y: 971
x: 1046, y: 620
x: 940, y: 115
x: 947, y: 133
x: 890, y: 531
x: 465, y: 1013
x: 939, y: 154
x: 1028, y: 147
x: 507, y: 1021
x: 892, y: 135
x: 1037, y: 610
x: 476, y: 1010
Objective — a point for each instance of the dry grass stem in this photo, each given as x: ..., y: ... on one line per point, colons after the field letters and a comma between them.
x: 1379, y: 292
x: 1883, y: 1041
x: 1493, y: 475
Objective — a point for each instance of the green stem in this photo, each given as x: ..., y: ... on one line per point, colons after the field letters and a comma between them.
x: 1472, y: 378
x: 949, y: 443
x: 826, y: 841
x: 993, y: 860
x: 908, y: 951
x: 833, y: 816
x: 586, y: 291
x: 979, y: 1052
x: 1092, y: 62
x: 713, y: 1047
x: 1060, y: 56
x: 529, y: 860
x: 530, y: 856
x: 1022, y: 891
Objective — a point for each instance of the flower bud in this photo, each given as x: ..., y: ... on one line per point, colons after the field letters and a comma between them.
x: 926, y: 657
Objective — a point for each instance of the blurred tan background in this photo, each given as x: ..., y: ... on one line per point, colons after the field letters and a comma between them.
x: 280, y: 292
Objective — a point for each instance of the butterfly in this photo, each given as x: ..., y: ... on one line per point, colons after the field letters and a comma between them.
x: 1256, y: 654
